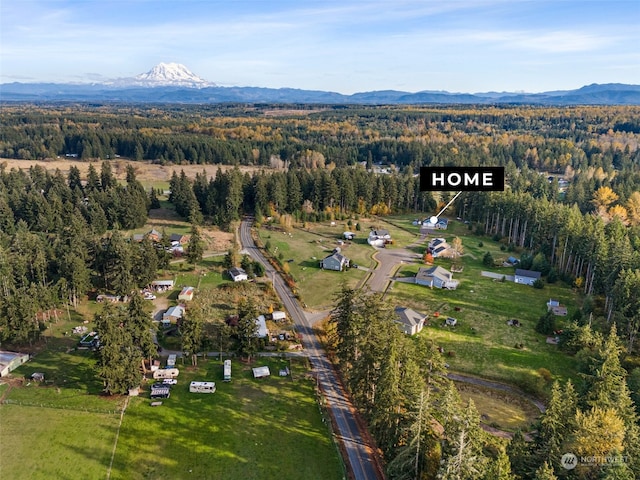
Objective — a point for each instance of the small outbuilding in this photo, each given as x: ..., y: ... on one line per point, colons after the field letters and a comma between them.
x: 278, y: 316
x: 261, y: 372
x: 172, y: 315
x: 162, y: 285
x: 186, y: 294
x: 261, y: 324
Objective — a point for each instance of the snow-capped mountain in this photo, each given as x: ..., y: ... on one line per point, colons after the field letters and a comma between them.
x: 165, y: 75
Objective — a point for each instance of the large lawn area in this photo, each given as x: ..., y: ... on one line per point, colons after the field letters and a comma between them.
x: 482, y: 343
x: 253, y: 429
x: 307, y: 246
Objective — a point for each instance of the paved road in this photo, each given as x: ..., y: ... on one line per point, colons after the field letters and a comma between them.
x: 359, y: 459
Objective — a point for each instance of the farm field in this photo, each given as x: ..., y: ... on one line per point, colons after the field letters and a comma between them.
x: 482, y: 343
x: 256, y: 429
x: 148, y: 173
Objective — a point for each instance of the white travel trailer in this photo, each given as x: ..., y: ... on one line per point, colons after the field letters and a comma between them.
x: 202, y: 387
x: 227, y: 370
x: 162, y: 373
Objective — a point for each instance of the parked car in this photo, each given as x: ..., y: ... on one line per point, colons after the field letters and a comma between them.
x: 170, y: 381
x: 149, y: 296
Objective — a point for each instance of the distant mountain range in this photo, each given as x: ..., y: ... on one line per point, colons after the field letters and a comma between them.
x: 174, y: 83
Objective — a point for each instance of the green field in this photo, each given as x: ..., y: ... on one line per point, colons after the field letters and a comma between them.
x: 482, y: 343
x: 254, y: 429
x: 306, y: 247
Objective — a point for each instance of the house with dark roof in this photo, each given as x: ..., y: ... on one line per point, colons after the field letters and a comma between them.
x: 180, y: 238
x: 437, y: 277
x: 438, y: 247
x: 409, y: 321
x: 238, y: 274
x: 336, y: 261
x: 526, y: 277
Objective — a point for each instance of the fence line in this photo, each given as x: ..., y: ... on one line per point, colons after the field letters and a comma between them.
x: 58, y: 407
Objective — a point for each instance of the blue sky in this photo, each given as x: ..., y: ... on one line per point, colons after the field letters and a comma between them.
x: 345, y: 46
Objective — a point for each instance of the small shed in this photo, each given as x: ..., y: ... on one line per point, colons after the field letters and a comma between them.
x: 278, y: 315
x: 451, y: 322
x: 186, y: 294
x: 37, y: 376
x: 162, y: 285
x: 260, y: 372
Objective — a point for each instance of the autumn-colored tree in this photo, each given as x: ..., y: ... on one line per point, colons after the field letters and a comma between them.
x: 633, y: 208
x: 604, y: 196
x: 456, y: 246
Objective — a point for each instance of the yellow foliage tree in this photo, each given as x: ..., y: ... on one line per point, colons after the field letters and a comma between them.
x: 604, y: 196
x: 620, y: 212
x: 599, y: 432
x: 633, y: 208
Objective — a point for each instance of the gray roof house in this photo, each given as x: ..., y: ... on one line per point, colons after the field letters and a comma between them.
x: 409, y: 321
x: 526, y: 277
x: 335, y: 261
x: 437, y: 277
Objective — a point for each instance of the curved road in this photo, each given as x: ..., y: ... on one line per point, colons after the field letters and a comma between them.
x: 360, y: 459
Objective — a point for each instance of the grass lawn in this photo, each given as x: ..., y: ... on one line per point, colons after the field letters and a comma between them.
x: 482, y: 343
x: 253, y: 429
x: 500, y: 409
x: 306, y: 248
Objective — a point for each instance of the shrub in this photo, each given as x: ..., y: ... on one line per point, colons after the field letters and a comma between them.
x: 545, y: 374
x: 552, y: 276
x: 539, y: 284
x: 481, y: 244
x: 487, y: 260
x: 546, y: 323
x: 503, y: 247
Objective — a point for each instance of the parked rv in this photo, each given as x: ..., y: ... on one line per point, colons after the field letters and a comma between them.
x: 202, y: 387
x: 166, y: 373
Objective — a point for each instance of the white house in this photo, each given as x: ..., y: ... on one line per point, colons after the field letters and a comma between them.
x: 409, y: 321
x: 526, y: 277
x: 437, y: 277
x: 238, y: 274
